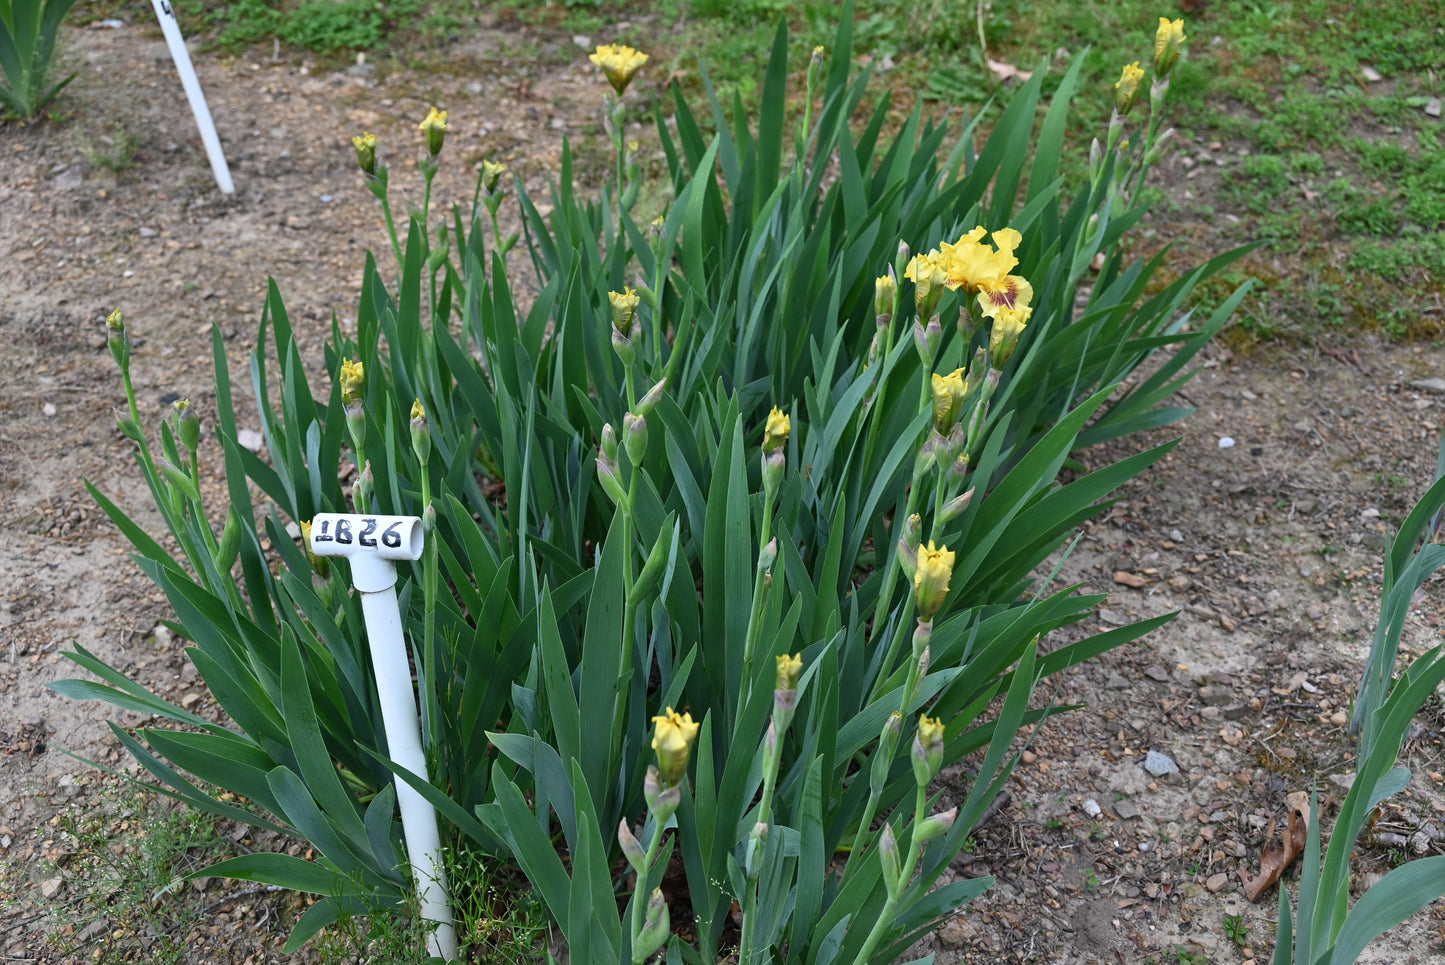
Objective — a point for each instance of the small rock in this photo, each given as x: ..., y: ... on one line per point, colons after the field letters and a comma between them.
x: 164, y: 636
x: 1226, y: 442
x: 1117, y: 681
x: 1129, y: 579
x: 956, y: 932
x: 582, y: 40
x: 361, y: 70
x: 1160, y: 764
x: 148, y: 232
x: 1433, y: 107
x: 1371, y: 513
x: 1216, y: 883
x: 250, y: 439
x: 92, y: 931
x: 1112, y: 617
x: 48, y: 408
x: 1235, y: 711
x: 1156, y: 672
x: 1433, y: 386
x: 1370, y: 74
x: 474, y: 87
x: 1092, y: 809
x: 1126, y: 809
x: 50, y: 887
x: 69, y: 179
x: 1176, y: 535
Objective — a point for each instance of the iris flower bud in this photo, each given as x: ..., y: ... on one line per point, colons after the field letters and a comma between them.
x: 1168, y: 40
x: 188, y: 425
x: 420, y: 432
x: 435, y: 129
x: 930, y: 581
x: 927, y: 751
x: 365, y: 145
x: 672, y: 740
x: 118, y: 339
x: 1126, y: 89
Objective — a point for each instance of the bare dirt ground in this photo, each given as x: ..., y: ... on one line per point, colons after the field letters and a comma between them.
x: 1270, y: 548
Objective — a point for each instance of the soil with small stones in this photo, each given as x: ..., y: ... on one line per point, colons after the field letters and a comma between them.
x: 1264, y: 530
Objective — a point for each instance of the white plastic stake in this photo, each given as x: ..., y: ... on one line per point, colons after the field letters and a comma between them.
x: 182, y: 57
x: 373, y: 544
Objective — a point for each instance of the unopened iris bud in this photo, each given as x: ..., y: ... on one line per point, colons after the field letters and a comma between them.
x: 429, y: 518
x: 435, y: 129
x: 1126, y: 89
x: 631, y: 848
x: 927, y: 753
x: 365, y: 488
x: 128, y: 427
x: 230, y: 543
x: 883, y: 757
x: 935, y: 825
x: 885, y: 290
x: 365, y: 145
x: 492, y: 176
x: 1168, y: 40
x: 922, y: 634
x: 757, y: 843
x: 949, y: 393
x: 767, y: 556
x: 927, y: 339
x: 649, y: 401
x: 959, y: 503
x: 353, y: 380
x: 888, y: 855
x: 178, y: 478
x: 420, y: 432
x: 929, y: 274
x: 655, y: 928
x: 634, y: 437
x: 188, y: 425
x: 672, y: 741
x: 608, y: 475
x: 438, y: 255
x: 930, y: 582
x: 118, y: 339
x: 356, y: 424
x: 609, y: 442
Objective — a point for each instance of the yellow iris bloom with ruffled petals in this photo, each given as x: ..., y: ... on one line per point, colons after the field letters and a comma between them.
x: 973, y: 265
x: 619, y: 63
x: 1168, y: 40
x: 1009, y: 293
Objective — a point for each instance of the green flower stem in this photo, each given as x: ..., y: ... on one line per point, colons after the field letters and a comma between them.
x: 755, y: 612
x: 890, y: 906
x: 639, y: 894
x: 771, y: 762
x: 391, y: 231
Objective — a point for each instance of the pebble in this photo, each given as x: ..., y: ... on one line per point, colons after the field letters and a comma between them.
x: 1433, y: 386
x: 1226, y: 442
x: 48, y: 408
x: 50, y: 887
x: 1092, y: 809
x: 1370, y: 74
x: 250, y: 439
x: 1216, y: 883
x: 1433, y: 107
x: 1126, y: 809
x: 148, y: 232
x: 1160, y: 764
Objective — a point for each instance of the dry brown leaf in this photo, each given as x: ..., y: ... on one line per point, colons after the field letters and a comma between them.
x: 1006, y: 71
x: 1279, y: 856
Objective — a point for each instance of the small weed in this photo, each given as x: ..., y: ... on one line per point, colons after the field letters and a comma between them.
x: 1054, y: 823
x: 1236, y: 929
x: 113, y: 152
x: 1091, y: 881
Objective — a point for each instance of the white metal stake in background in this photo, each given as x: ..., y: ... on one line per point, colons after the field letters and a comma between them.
x: 182, y: 57
x: 373, y: 544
